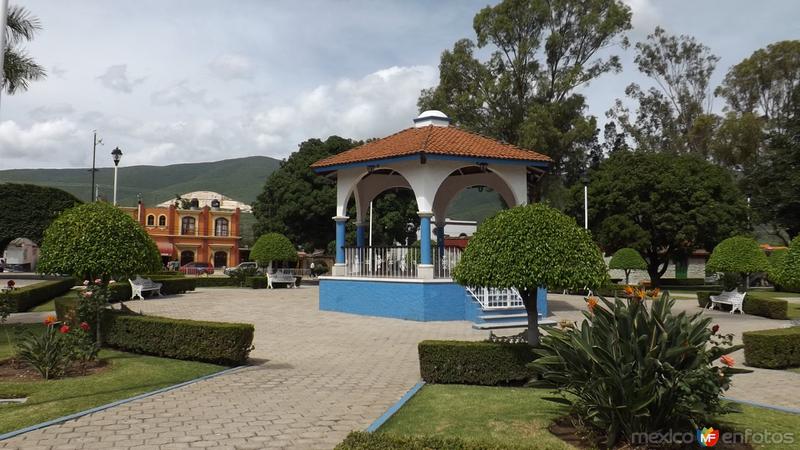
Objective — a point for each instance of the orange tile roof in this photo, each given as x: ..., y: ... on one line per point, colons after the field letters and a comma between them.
x: 432, y: 140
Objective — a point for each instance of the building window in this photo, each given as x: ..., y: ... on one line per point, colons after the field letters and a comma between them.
x: 187, y: 256
x: 220, y: 259
x: 188, y: 225
x: 151, y: 220
x: 162, y: 220
x: 221, y: 227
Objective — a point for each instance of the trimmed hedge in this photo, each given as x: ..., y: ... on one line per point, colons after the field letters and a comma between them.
x: 361, y: 440
x: 754, y: 304
x: 770, y: 308
x: 121, y: 290
x: 215, y: 342
x: 216, y: 281
x: 257, y: 282
x: 34, y: 295
x: 481, y: 363
x: 772, y: 349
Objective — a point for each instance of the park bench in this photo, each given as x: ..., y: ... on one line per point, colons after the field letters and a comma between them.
x: 733, y: 298
x: 141, y: 285
x: 280, y: 278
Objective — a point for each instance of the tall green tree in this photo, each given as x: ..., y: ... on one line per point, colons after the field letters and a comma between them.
x: 541, y: 51
x: 19, y: 69
x: 673, y: 115
x: 662, y: 205
x: 298, y: 203
x: 27, y: 210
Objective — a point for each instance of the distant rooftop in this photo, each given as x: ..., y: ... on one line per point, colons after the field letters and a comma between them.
x: 204, y: 198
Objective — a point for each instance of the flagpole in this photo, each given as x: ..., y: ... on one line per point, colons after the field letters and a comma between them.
x: 3, y: 16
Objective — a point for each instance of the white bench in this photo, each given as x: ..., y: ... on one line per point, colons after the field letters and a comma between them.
x: 280, y: 278
x: 141, y: 285
x: 733, y: 298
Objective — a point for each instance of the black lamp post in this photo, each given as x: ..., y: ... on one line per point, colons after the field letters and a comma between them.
x: 117, y: 155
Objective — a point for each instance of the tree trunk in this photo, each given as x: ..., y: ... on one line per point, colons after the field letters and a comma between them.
x: 531, y: 307
x: 627, y: 275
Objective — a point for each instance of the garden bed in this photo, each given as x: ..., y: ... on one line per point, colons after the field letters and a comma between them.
x: 522, y: 417
x: 122, y: 375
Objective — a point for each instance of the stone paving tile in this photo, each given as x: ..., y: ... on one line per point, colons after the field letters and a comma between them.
x: 316, y: 376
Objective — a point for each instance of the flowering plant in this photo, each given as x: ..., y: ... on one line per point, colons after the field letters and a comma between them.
x: 92, y: 300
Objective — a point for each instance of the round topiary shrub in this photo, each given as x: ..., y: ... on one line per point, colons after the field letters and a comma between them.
x: 776, y: 261
x: 740, y: 255
x: 790, y: 273
x: 528, y: 247
x: 273, y: 247
x: 97, y: 240
x: 627, y: 259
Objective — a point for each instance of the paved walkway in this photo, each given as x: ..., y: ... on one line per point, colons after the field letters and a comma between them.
x: 319, y: 376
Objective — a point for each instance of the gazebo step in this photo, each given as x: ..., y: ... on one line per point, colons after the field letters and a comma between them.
x: 513, y: 315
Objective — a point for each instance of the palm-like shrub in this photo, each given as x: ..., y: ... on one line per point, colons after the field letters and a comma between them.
x: 273, y: 247
x: 627, y: 259
x: 630, y: 369
x: 740, y: 255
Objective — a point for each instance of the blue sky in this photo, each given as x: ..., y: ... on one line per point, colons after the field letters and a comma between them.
x: 187, y: 81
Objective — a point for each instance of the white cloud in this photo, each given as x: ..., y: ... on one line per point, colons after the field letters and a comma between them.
x: 116, y: 78
x: 372, y: 106
x: 180, y: 94
x: 51, y: 111
x: 645, y: 16
x: 232, y: 66
x: 38, y: 140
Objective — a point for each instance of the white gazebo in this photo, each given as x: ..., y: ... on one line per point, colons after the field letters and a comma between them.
x: 436, y: 161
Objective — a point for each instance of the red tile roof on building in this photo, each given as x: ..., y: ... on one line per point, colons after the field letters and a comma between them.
x: 432, y: 140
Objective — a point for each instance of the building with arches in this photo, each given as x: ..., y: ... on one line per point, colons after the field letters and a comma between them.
x: 205, y: 229
x: 436, y: 161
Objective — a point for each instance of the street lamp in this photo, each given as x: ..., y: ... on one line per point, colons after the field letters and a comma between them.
x: 117, y: 155
x: 585, y: 180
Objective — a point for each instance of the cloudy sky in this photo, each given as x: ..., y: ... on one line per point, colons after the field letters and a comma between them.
x: 194, y: 80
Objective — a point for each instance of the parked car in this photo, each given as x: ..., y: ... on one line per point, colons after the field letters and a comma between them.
x: 197, y: 268
x: 248, y: 266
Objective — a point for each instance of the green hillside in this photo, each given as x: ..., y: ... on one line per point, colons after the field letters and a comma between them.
x: 241, y: 179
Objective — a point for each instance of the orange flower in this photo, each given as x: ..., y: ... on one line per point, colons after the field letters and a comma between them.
x: 50, y: 320
x: 592, y: 302
x: 727, y: 360
x: 629, y: 291
x: 655, y: 292
x: 639, y: 293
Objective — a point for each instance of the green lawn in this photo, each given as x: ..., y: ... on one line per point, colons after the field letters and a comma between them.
x: 50, y: 305
x: 128, y: 375
x: 521, y: 416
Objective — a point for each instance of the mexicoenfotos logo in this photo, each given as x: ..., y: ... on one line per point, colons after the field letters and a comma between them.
x: 707, y: 437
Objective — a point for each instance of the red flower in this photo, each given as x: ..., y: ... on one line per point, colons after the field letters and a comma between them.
x: 84, y: 326
x: 64, y: 329
x: 11, y: 284
x: 714, y: 329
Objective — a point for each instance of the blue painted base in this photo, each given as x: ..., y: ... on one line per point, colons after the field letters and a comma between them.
x: 422, y: 301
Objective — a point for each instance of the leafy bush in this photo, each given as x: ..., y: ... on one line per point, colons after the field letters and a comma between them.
x: 360, y: 440
x: 631, y: 369
x: 771, y: 308
x: 273, y: 247
x: 776, y: 263
x: 482, y: 363
x: 528, y: 247
x: 215, y: 342
x: 46, y: 352
x: 28, y: 297
x: 772, y: 349
x: 97, y: 240
x: 258, y: 282
x: 627, y: 259
x: 790, y: 274
x: 66, y: 307
x: 241, y: 275
x: 740, y: 255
